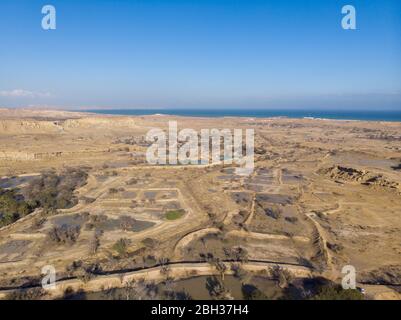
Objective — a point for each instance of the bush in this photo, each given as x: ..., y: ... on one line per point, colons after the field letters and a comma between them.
x: 291, y: 219
x: 73, y: 267
x: 237, y: 253
x: 250, y: 292
x: 121, y: 246
x: 132, y: 181
x: 70, y: 294
x: 150, y: 243
x: 87, y: 200
x: 49, y: 212
x: 28, y: 294
x: 38, y: 222
x: 149, y: 261
x: 273, y: 212
x: 335, y: 247
x: 127, y: 223
x: 174, y: 214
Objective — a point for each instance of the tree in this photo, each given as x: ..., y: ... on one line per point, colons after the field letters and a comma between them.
x: 94, y: 242
x: 273, y: 212
x: 216, y: 289
x: 136, y: 290
x: 282, y: 276
x: 220, y: 267
x: 241, y: 254
x: 251, y: 292
x: 127, y: 223
x: 164, y: 267
x: 238, y: 271
x: 182, y: 295
x: 168, y: 291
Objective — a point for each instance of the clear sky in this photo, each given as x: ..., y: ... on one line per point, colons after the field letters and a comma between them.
x: 201, y: 54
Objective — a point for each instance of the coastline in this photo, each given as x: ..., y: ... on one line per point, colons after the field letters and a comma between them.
x: 357, y: 115
x: 35, y: 113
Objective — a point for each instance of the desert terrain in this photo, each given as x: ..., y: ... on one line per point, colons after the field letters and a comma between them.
x: 77, y: 193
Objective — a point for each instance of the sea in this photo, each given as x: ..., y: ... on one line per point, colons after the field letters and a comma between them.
x: 376, y: 115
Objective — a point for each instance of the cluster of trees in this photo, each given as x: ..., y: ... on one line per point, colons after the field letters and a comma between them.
x: 64, y: 234
x: 336, y: 292
x: 49, y: 191
x: 52, y: 190
x: 140, y: 290
x: 12, y: 207
x: 319, y: 288
x: 236, y: 253
x: 83, y: 271
x: 282, y: 276
x: 148, y: 290
x: 169, y: 292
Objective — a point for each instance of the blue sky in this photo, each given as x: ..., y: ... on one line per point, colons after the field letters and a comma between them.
x: 201, y: 54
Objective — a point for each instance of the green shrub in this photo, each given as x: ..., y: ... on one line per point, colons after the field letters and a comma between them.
x: 174, y: 214
x: 336, y: 292
x: 121, y: 246
x: 251, y: 292
x: 12, y: 207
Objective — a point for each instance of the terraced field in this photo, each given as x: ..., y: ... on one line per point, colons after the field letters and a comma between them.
x: 314, y: 203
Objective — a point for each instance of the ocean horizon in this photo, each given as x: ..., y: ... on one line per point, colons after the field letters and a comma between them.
x: 361, y: 115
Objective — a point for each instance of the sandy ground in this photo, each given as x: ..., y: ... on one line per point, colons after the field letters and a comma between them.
x: 335, y: 183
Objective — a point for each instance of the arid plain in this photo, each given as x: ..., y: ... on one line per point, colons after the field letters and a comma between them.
x: 324, y: 194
